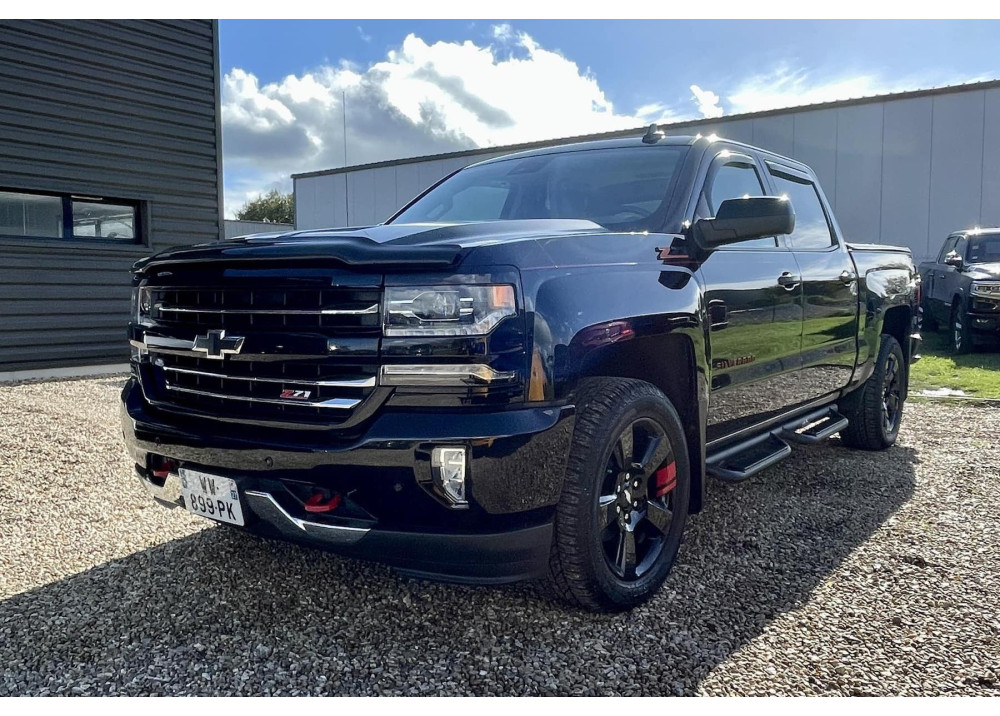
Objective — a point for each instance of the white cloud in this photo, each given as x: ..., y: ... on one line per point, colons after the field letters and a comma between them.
x: 363, y: 36
x: 656, y: 112
x: 786, y: 86
x: 503, y: 31
x: 421, y: 99
x: 708, y: 102
x: 431, y: 98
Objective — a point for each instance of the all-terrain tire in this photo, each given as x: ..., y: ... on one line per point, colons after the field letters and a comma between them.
x: 869, y: 428
x: 960, y: 331
x: 578, y: 572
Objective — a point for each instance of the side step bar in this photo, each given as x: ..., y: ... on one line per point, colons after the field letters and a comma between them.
x: 743, y: 460
x: 815, y: 430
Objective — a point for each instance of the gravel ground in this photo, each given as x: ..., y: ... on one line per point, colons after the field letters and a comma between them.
x: 836, y: 573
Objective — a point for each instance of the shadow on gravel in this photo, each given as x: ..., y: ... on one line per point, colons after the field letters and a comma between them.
x: 225, y: 612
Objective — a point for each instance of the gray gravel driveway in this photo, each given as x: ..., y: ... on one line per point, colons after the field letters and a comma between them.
x: 837, y: 572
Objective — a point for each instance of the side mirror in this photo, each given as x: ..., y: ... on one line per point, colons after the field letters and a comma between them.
x: 751, y: 217
x: 953, y: 258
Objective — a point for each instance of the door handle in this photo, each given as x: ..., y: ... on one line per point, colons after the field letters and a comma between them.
x: 788, y: 281
x: 847, y: 277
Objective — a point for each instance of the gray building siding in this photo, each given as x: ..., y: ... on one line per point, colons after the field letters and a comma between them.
x: 123, y: 110
x: 235, y: 227
x: 902, y: 169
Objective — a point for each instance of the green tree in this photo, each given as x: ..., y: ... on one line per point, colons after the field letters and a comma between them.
x: 273, y: 206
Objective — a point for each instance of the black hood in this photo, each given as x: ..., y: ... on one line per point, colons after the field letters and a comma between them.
x: 403, y: 245
x: 983, y: 272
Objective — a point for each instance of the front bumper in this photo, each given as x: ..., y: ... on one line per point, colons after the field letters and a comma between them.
x: 516, y: 463
x: 984, y: 323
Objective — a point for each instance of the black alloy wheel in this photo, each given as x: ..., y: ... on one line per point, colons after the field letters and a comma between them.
x: 892, y: 395
x: 625, y: 496
x: 875, y: 410
x: 635, y: 511
x: 961, y: 335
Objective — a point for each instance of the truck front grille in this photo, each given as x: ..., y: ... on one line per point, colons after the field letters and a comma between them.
x: 328, y: 309
x: 297, y: 354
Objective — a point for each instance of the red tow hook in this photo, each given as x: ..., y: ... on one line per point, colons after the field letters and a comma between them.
x: 316, y: 503
x: 165, y: 468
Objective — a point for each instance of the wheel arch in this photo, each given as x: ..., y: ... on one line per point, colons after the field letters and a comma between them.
x: 897, y: 322
x: 670, y: 362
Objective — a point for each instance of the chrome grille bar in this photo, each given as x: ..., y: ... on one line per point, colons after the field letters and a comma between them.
x: 273, y: 311
x: 149, y: 341
x: 353, y: 383
x: 332, y: 403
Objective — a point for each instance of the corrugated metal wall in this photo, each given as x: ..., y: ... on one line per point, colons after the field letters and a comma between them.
x: 235, y: 227
x: 900, y: 170
x: 127, y: 110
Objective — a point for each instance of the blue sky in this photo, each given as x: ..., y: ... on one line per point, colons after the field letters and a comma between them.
x: 420, y: 87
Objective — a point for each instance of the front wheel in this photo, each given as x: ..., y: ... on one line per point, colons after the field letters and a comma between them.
x: 625, y: 497
x: 961, y: 332
x: 875, y: 410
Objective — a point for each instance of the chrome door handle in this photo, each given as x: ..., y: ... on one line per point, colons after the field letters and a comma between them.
x: 788, y: 281
x: 846, y: 277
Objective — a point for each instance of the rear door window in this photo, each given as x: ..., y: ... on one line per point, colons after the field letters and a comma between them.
x: 812, y: 228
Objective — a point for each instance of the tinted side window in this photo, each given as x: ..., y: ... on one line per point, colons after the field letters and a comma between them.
x: 812, y: 230
x: 734, y: 181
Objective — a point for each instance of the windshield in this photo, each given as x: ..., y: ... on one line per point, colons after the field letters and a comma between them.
x: 984, y: 249
x: 622, y: 189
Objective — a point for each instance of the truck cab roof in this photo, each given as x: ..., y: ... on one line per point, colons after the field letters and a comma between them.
x: 702, y: 141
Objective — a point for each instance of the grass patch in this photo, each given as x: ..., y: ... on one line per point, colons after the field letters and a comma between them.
x: 978, y: 374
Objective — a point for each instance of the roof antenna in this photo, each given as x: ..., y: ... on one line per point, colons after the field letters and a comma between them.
x: 653, y: 135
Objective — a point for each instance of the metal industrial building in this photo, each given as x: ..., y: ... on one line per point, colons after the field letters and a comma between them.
x: 905, y: 168
x: 237, y: 227
x: 110, y: 149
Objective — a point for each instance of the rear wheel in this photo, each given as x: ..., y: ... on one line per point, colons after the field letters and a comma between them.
x: 961, y: 332
x: 625, y: 498
x: 875, y: 410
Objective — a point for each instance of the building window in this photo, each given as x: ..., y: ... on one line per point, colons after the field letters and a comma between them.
x: 81, y: 218
x: 104, y: 220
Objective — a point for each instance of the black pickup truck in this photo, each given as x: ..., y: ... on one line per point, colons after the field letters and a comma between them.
x: 529, y: 370
x: 961, y: 288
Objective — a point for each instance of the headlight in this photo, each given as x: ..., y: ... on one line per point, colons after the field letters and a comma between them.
x: 986, y: 289
x: 446, y: 310
x: 142, y: 300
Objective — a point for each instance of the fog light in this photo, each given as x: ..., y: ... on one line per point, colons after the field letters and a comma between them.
x: 448, y: 466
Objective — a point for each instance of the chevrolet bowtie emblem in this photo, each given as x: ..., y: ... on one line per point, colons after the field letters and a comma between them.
x: 215, y: 344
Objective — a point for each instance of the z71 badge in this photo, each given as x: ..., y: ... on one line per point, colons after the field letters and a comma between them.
x: 296, y: 394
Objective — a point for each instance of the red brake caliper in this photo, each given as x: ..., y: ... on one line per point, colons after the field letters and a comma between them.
x: 665, y: 480
x: 316, y: 503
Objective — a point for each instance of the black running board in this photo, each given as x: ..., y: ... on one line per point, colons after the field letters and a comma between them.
x: 745, y: 459
x: 816, y: 429
x: 749, y: 459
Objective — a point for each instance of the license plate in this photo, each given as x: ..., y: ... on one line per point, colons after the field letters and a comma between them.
x: 211, y: 496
